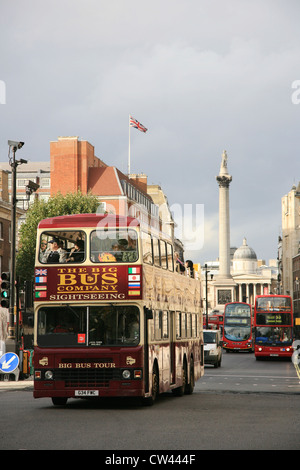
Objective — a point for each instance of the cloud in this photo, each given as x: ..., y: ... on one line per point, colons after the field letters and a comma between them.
x: 202, y: 76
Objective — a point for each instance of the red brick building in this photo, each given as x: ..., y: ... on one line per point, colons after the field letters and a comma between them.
x: 74, y: 166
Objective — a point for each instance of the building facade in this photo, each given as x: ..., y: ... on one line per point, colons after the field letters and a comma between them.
x: 251, y: 276
x: 290, y: 211
x: 37, y: 172
x: 5, y: 221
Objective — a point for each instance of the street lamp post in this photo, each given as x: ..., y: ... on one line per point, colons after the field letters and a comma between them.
x: 206, y: 300
x: 206, y: 293
x: 11, y: 338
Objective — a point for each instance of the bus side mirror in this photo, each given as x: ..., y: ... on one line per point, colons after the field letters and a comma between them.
x: 149, y: 313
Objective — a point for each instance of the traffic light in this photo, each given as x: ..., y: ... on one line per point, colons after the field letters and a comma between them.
x: 5, y: 289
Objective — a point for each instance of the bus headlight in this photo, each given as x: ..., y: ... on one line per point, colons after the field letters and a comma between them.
x: 49, y: 375
x: 126, y: 374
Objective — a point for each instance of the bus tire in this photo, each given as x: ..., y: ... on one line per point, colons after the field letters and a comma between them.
x: 191, y: 385
x: 59, y: 401
x: 149, y: 401
x: 180, y: 391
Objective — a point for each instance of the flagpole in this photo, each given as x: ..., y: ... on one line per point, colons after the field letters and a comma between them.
x: 129, y: 149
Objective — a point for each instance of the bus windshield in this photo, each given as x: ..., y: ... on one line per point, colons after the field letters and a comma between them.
x: 273, y: 304
x: 236, y: 333
x: 273, y: 336
x: 93, y: 326
x: 114, y: 245
x: 236, y: 309
x: 62, y: 246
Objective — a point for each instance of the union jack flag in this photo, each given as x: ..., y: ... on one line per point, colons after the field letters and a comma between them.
x: 41, y: 272
x: 137, y: 125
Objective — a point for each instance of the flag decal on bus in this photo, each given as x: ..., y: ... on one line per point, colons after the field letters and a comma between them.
x: 40, y: 294
x: 41, y: 272
x: 134, y: 280
x: 134, y: 292
x: 40, y: 279
x: 135, y: 270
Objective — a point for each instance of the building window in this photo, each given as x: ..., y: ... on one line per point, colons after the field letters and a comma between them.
x: 21, y: 183
x: 45, y: 182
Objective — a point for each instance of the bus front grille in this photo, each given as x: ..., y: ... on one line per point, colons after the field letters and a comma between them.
x: 89, y: 378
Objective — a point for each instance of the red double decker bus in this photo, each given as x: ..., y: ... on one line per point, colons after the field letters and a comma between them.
x: 215, y: 321
x: 112, y: 317
x: 273, y: 322
x: 238, y: 326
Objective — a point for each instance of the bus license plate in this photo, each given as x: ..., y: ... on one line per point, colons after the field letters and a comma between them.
x: 86, y: 393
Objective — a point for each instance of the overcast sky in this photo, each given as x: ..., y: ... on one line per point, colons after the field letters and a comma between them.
x: 201, y: 75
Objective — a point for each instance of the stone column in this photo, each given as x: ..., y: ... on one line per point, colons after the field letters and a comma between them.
x: 225, y: 286
x: 224, y: 180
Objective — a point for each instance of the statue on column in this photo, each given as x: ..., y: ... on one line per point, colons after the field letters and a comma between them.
x: 224, y: 178
x: 224, y: 159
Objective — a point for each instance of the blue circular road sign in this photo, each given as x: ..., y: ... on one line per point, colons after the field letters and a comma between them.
x: 9, y: 362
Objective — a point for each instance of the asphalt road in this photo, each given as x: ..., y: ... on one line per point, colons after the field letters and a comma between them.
x: 243, y: 405
x: 241, y: 372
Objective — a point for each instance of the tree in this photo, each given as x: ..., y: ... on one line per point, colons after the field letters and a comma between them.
x: 71, y: 203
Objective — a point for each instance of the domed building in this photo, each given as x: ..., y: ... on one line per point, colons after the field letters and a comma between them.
x: 251, y: 276
x: 244, y: 260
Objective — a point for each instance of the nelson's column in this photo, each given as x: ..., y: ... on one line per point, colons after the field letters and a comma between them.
x: 224, y: 284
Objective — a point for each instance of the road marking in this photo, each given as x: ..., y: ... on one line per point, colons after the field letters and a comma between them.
x: 253, y: 377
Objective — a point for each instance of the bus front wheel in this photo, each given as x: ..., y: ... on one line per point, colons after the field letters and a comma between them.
x: 59, y: 401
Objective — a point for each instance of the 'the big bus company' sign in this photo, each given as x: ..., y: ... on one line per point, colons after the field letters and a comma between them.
x: 88, y: 283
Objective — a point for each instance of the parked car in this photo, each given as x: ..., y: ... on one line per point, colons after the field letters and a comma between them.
x: 212, y: 347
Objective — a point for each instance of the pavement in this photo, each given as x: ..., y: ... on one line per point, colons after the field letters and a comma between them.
x: 16, y: 385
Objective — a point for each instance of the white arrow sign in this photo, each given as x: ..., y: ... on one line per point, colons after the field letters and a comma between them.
x: 9, y: 362
x: 6, y: 364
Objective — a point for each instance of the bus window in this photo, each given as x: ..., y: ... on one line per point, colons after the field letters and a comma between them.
x: 170, y: 257
x: 156, y: 251
x: 95, y: 326
x: 163, y: 254
x: 109, y: 325
x: 158, y: 324
x: 189, y: 325
x: 184, y: 325
x: 194, y: 325
x: 147, y: 248
x: 114, y: 245
x: 165, y: 324
x: 62, y: 247
x: 61, y: 326
x: 178, y: 325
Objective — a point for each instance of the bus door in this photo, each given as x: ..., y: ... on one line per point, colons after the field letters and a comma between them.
x: 172, y: 348
x: 148, y: 315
